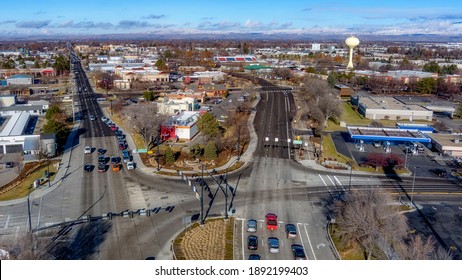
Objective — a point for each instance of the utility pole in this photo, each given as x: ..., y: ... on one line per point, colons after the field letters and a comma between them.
x: 226, y: 195
x: 238, y: 142
x: 202, y: 195
x: 351, y: 170
x: 413, y: 184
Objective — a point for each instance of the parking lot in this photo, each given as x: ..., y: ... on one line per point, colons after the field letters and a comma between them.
x: 8, y: 174
x: 422, y: 162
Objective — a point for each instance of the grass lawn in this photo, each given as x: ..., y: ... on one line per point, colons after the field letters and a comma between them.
x: 329, y: 151
x: 352, y: 252
x: 26, y: 185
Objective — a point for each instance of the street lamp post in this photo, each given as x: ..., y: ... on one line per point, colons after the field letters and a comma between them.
x: 158, y: 158
x: 202, y: 195
x: 351, y: 170
x: 413, y: 184
x: 405, y: 157
x: 238, y: 142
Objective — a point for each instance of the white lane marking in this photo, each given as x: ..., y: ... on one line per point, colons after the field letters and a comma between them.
x: 7, y: 221
x: 325, y: 184
x: 301, y: 239
x: 338, y: 181
x: 322, y: 180
x: 309, y: 241
x: 243, y: 252
x: 330, y: 179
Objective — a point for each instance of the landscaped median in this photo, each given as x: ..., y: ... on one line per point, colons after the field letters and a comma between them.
x: 211, y: 241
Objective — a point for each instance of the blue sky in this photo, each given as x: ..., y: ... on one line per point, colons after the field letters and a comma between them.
x: 391, y: 17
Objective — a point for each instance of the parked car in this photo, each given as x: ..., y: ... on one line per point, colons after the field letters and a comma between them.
x: 252, y: 226
x: 101, y: 151
x: 273, y: 245
x: 252, y: 242
x: 291, y: 231
x: 298, y: 252
x: 92, y: 118
x: 87, y: 150
x: 271, y: 221
x: 9, y: 164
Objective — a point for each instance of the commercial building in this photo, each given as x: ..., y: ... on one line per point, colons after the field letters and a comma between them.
x: 447, y: 144
x: 180, y: 127
x: 14, y: 138
x: 377, y: 108
x: 174, y: 106
x: 20, y: 79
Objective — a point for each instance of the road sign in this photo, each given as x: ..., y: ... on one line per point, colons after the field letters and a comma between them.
x: 142, y: 151
x: 298, y: 142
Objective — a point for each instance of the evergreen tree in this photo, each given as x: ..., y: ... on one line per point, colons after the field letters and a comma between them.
x: 169, y: 155
x: 211, y: 151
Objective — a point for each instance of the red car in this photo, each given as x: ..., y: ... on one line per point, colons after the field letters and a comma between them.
x: 271, y: 221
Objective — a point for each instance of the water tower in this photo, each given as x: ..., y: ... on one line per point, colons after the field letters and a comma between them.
x: 351, y: 42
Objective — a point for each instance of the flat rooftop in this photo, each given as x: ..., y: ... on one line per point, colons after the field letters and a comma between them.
x: 447, y: 139
x: 388, y: 103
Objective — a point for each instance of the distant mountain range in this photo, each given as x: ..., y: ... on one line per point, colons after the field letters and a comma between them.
x: 236, y: 36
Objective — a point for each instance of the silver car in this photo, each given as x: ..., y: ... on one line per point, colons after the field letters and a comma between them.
x: 252, y: 226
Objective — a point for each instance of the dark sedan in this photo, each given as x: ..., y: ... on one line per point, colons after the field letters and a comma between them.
x: 252, y: 242
x: 88, y: 167
x: 299, y: 252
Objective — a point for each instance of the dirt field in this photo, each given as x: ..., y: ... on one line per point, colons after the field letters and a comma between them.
x: 212, y: 241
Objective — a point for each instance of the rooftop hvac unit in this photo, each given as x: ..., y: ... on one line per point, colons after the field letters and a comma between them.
x: 456, y: 141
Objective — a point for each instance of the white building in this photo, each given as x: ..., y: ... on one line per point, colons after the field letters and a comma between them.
x: 174, y: 106
x: 377, y: 108
x: 20, y: 79
x: 7, y: 100
x: 13, y: 139
x: 180, y: 127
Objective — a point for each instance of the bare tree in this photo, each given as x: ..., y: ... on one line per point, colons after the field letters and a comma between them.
x: 419, y: 248
x: 26, y: 247
x: 144, y: 120
x: 368, y: 219
x: 320, y: 101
